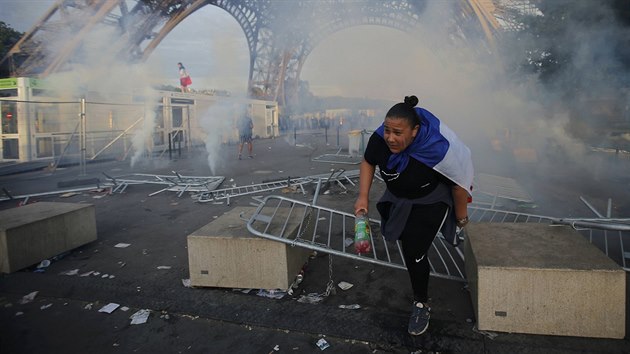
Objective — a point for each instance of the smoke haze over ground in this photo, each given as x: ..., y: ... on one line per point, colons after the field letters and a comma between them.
x: 458, y: 81
x: 111, y: 80
x: 482, y: 101
x: 216, y: 122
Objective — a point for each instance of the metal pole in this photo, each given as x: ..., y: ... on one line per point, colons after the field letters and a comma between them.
x: 326, y: 133
x: 170, y: 153
x: 65, y: 149
x: 123, y: 134
x: 294, y: 136
x: 319, y: 185
x: 337, y: 136
x: 362, y: 146
x: 82, y: 138
x: 189, y: 140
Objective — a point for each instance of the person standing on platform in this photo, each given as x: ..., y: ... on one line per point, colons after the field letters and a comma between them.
x: 428, y: 174
x: 245, y: 131
x: 184, y: 79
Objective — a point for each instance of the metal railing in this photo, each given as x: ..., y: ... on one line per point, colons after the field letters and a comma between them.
x: 335, y: 176
x: 610, y: 235
x: 331, y: 231
x: 174, y: 183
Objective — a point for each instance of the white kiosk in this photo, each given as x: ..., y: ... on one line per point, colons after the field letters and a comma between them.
x: 38, y: 123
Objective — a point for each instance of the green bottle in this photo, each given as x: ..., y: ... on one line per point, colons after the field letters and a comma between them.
x: 362, y: 234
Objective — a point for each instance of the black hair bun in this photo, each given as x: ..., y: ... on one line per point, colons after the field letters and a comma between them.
x: 411, y: 100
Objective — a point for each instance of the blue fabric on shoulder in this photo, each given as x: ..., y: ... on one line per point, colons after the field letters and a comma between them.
x: 429, y: 146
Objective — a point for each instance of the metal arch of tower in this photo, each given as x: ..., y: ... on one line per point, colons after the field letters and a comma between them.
x: 246, y: 13
x: 278, y: 44
x: 280, y: 65
x: 75, y: 20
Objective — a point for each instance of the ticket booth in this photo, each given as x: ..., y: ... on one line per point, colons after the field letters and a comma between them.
x: 40, y: 121
x: 9, y: 131
x: 15, y: 128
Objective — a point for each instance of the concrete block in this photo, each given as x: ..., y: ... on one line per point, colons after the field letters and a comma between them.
x: 224, y: 253
x: 34, y: 232
x: 542, y: 279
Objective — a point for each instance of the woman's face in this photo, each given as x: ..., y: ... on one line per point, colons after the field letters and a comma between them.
x: 398, y: 134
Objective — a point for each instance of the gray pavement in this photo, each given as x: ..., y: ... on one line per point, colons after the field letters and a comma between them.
x: 64, y: 317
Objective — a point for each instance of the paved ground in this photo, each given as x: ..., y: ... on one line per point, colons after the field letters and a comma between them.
x: 64, y: 316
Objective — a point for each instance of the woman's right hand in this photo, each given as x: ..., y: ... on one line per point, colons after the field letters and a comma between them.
x: 361, y: 205
x: 366, y: 174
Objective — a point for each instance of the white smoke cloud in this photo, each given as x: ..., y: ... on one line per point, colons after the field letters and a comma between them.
x: 101, y: 78
x: 218, y: 123
x: 458, y: 81
x: 463, y: 84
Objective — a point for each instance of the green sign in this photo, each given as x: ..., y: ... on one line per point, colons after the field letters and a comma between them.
x: 8, y: 83
x: 12, y: 82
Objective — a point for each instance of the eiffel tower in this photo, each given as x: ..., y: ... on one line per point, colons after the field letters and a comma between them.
x: 280, y: 34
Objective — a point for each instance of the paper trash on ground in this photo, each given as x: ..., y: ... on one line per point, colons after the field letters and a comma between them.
x: 272, y: 293
x: 322, y: 344
x: 344, y: 285
x: 350, y: 307
x: 140, y: 317
x: 109, y: 308
x: 122, y: 245
x: 28, y: 298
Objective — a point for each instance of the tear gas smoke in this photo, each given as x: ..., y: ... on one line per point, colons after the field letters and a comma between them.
x: 98, y: 75
x: 465, y: 86
x: 219, y: 124
x: 456, y: 79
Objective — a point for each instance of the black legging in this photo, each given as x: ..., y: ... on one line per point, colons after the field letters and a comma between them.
x: 423, y: 224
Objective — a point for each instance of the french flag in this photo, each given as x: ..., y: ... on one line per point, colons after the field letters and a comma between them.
x: 437, y: 146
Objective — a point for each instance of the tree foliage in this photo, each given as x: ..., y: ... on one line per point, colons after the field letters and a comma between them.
x: 569, y: 37
x: 8, y: 38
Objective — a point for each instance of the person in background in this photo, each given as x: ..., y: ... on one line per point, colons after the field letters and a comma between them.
x: 184, y: 78
x: 245, y: 130
x: 428, y: 174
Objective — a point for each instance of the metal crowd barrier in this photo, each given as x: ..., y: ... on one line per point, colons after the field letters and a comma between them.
x: 175, y: 183
x: 227, y: 193
x: 610, y: 235
x: 331, y: 231
x: 337, y: 175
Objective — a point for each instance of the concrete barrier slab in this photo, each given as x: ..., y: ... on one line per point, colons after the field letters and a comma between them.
x: 224, y: 253
x: 34, y: 232
x: 542, y: 279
